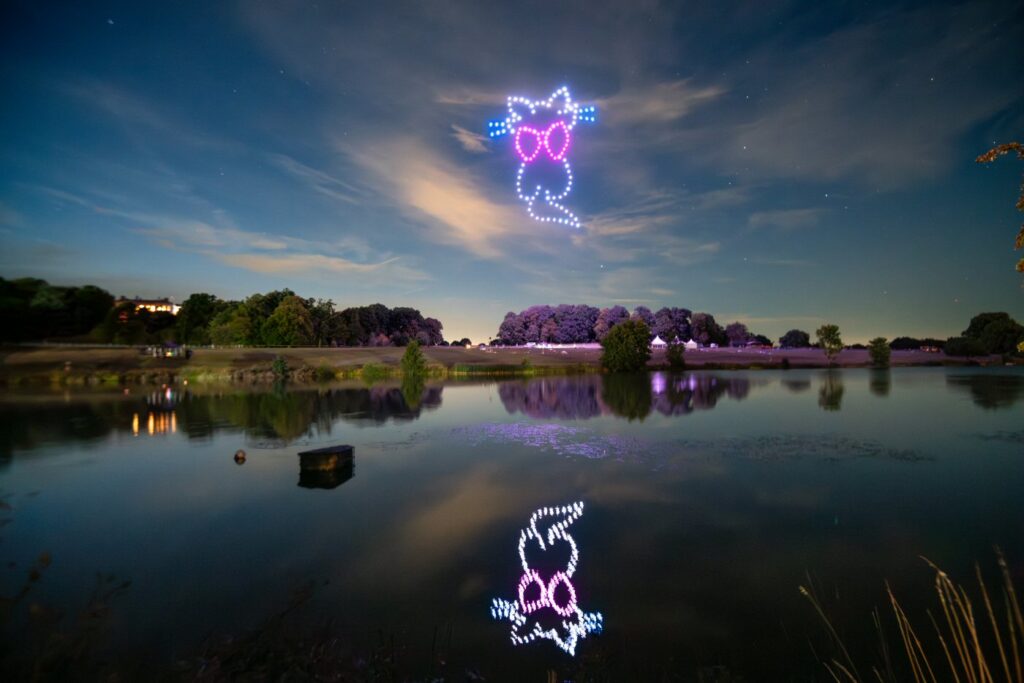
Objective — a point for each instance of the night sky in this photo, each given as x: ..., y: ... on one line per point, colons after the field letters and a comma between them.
x: 784, y: 164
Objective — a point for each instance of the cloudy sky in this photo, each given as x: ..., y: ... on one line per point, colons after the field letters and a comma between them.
x: 783, y: 164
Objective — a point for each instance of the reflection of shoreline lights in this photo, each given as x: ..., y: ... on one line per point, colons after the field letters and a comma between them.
x: 569, y: 113
x: 575, y: 623
x: 156, y: 423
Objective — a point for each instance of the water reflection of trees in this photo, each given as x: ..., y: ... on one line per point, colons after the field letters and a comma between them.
x: 991, y: 391
x: 630, y: 396
x: 28, y: 423
x: 830, y: 393
x: 880, y: 382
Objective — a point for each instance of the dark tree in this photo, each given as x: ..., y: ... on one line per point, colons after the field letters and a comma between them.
x: 795, y: 339
x: 672, y: 323
x: 737, y: 333
x: 193, y: 323
x: 706, y: 331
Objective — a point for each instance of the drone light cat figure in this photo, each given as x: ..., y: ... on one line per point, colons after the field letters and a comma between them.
x: 542, y: 134
x: 536, y: 594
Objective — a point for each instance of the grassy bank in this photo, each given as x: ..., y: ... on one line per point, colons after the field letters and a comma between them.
x: 107, y: 365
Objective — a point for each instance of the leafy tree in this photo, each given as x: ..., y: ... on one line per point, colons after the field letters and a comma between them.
x: 289, y: 325
x: 878, y: 349
x: 675, y: 354
x: 830, y: 341
x: 991, y: 156
x: 464, y: 342
x: 414, y: 363
x: 259, y: 308
x: 195, y: 316
x: 964, y: 346
x: 321, y: 315
x: 607, y: 319
x: 706, y: 331
x: 644, y: 315
x: 672, y: 323
x: 231, y: 326
x: 737, y: 333
x: 795, y: 339
x: 763, y: 340
x: 996, y: 332
x: 626, y: 347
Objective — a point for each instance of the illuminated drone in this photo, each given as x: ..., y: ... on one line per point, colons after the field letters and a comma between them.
x: 542, y: 134
x: 538, y: 596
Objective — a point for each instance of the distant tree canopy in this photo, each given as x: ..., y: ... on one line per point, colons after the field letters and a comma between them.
x: 989, y: 157
x: 706, y: 331
x: 33, y: 309
x: 583, y: 324
x: 795, y: 339
x: 261, y: 320
x: 911, y: 344
x: 988, y: 333
x: 737, y: 333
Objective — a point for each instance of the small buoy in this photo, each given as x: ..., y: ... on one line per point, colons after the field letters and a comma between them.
x: 239, y: 457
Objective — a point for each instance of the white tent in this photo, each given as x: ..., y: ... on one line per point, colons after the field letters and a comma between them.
x: 690, y: 345
x: 658, y: 343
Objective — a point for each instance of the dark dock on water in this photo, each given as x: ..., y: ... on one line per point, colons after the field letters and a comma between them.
x: 326, y: 468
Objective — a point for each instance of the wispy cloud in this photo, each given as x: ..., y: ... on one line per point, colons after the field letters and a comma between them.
x: 320, y: 181
x: 470, y: 141
x: 447, y: 200
x: 657, y: 103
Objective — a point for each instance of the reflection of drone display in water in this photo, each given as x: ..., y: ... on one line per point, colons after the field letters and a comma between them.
x: 556, y: 593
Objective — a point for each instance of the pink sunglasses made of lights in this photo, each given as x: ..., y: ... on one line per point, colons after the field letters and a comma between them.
x: 541, y: 140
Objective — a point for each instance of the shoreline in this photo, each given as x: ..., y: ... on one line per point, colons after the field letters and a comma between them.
x: 128, y: 365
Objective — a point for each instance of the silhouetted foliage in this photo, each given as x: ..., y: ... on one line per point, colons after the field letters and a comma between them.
x: 795, y: 339
x: 32, y: 309
x: 878, y: 350
x: 989, y: 157
x: 706, y: 331
x: 737, y: 333
x: 964, y: 346
x: 995, y: 332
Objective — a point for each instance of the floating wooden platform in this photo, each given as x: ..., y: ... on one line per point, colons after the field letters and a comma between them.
x: 326, y: 468
x: 326, y: 459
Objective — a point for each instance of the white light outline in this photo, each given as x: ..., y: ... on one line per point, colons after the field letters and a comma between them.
x: 577, y: 623
x: 508, y: 126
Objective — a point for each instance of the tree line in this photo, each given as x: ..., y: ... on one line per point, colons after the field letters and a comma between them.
x: 34, y: 310
x: 281, y: 318
x: 583, y: 324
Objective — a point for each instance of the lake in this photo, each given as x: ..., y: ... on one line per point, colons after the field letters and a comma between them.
x: 707, y: 498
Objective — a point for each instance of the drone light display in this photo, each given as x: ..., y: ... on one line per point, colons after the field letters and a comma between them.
x: 541, y: 131
x: 537, y: 595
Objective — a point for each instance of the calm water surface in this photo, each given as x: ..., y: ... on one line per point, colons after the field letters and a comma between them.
x: 709, y: 498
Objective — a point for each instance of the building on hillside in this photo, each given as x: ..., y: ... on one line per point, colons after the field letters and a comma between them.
x: 164, y: 305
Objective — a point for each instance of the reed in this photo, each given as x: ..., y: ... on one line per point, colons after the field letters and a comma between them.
x: 964, y: 644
